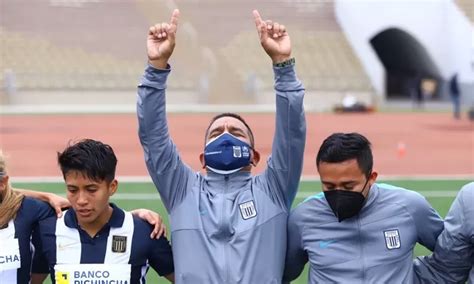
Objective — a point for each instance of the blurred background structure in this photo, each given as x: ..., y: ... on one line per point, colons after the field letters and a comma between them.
x: 89, y: 53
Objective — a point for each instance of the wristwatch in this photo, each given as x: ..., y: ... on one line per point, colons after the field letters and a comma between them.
x: 285, y: 63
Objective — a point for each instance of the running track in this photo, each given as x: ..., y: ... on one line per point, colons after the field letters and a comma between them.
x: 435, y: 143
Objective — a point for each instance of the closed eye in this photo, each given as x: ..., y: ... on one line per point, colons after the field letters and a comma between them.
x: 216, y: 132
x: 72, y: 189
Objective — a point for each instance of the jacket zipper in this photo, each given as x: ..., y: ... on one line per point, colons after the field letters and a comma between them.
x: 226, y: 262
x: 361, y: 249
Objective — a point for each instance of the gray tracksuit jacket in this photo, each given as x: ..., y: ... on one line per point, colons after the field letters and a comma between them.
x: 453, y: 256
x: 226, y: 228
x: 376, y: 246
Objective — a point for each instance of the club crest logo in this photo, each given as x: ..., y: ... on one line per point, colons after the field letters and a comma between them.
x: 237, y: 151
x: 392, y: 239
x: 119, y: 244
x: 247, y: 210
x: 240, y: 151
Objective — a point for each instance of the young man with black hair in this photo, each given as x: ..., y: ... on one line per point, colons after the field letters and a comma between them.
x: 95, y: 240
x: 20, y: 213
x: 227, y: 226
x: 356, y: 230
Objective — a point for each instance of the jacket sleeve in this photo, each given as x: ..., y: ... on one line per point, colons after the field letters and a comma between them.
x: 169, y: 174
x: 452, y: 258
x: 40, y: 263
x: 160, y: 256
x: 285, y: 164
x: 427, y: 220
x: 41, y: 211
x: 296, y: 256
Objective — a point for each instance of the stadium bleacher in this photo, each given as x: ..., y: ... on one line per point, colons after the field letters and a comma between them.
x: 99, y: 45
x: 73, y: 54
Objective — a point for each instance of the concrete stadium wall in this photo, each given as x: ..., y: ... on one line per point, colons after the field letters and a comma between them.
x: 439, y: 26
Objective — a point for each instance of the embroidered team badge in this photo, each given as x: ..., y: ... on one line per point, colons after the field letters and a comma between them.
x: 247, y: 210
x: 237, y: 151
x: 392, y: 239
x: 119, y: 244
x: 240, y: 152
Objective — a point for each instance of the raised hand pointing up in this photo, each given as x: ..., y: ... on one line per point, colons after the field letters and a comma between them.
x: 274, y: 38
x: 161, y: 41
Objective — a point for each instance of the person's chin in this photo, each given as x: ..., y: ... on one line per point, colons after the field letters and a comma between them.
x: 84, y: 215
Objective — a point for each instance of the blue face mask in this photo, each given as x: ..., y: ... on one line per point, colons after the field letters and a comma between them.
x: 226, y: 154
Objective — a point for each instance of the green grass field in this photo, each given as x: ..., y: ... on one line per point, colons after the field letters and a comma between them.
x: 440, y: 193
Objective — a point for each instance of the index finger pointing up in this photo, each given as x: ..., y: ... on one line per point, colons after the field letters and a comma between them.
x: 174, y: 17
x: 258, y: 19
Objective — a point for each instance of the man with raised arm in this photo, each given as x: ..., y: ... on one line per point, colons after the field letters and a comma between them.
x: 227, y: 226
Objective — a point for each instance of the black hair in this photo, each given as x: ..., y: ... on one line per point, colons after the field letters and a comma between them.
x: 94, y: 159
x: 340, y: 147
x: 236, y: 116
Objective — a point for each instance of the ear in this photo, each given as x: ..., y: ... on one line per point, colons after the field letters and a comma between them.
x: 4, y: 181
x: 201, y: 159
x: 3, y: 186
x: 255, y: 158
x: 113, y: 187
x: 373, y: 177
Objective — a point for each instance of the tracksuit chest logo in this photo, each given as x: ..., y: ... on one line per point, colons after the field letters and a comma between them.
x: 247, y: 210
x: 119, y: 244
x: 392, y: 239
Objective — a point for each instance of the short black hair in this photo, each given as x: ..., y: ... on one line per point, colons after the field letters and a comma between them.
x: 236, y: 116
x: 340, y: 147
x: 94, y: 159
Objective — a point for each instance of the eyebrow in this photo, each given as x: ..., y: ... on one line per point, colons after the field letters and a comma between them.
x: 342, y: 183
x: 220, y: 129
x: 86, y: 186
x: 237, y: 129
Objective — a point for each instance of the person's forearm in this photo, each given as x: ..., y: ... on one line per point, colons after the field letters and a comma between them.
x: 38, y: 278
x: 57, y: 202
x: 44, y: 196
x: 152, y: 122
x: 290, y: 131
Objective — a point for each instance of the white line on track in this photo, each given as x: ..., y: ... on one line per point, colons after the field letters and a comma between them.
x: 308, y: 178
x: 299, y: 195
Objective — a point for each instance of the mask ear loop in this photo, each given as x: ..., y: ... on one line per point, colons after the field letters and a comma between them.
x: 253, y: 152
x: 366, y: 182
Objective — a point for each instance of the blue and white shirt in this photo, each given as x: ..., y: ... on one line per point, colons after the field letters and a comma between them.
x: 121, y: 251
x: 16, y: 249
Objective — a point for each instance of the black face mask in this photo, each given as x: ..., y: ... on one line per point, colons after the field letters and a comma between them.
x: 345, y: 204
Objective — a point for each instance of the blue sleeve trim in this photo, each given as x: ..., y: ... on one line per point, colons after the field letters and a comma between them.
x: 316, y: 196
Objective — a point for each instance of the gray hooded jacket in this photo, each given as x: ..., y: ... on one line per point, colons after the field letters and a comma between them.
x: 375, y: 246
x: 226, y: 228
x: 453, y: 256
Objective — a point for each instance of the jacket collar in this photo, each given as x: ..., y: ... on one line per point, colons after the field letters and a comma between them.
x: 371, y: 197
x: 217, y: 183
x: 116, y: 220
